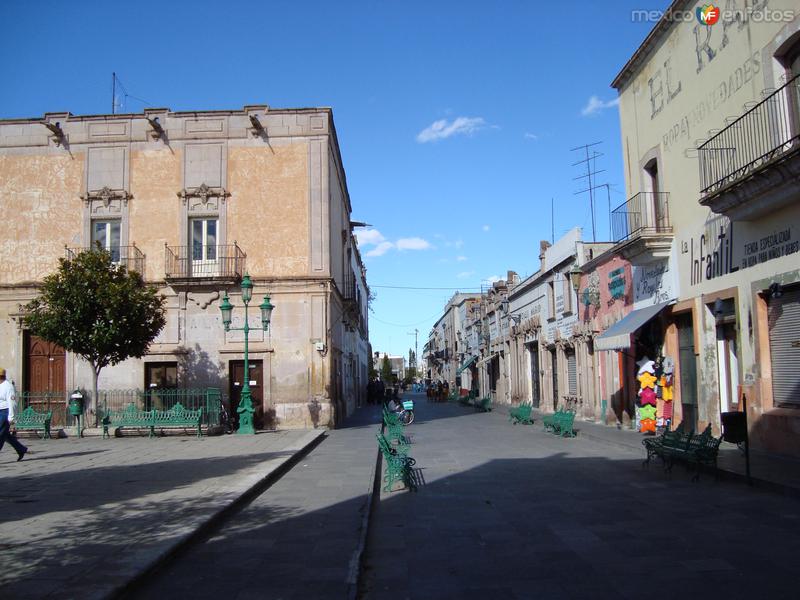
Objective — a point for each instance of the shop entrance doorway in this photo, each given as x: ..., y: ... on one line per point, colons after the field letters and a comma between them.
x: 533, y: 351
x: 687, y: 363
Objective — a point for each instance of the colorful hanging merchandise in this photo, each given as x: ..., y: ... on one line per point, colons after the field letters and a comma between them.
x: 664, y: 406
x: 647, y: 404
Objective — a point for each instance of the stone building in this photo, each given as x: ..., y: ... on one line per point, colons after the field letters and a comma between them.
x: 193, y: 200
x: 710, y: 129
x: 547, y: 360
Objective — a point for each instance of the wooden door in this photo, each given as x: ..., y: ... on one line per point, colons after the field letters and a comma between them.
x: 45, y: 364
x: 236, y: 380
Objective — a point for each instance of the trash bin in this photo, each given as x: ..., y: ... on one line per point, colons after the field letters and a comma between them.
x: 75, y: 409
x: 76, y: 404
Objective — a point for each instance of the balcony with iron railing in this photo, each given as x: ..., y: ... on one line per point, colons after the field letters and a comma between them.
x: 641, y: 226
x: 204, y: 262
x: 747, y: 169
x: 128, y: 256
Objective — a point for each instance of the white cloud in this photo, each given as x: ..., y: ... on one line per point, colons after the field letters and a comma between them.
x: 486, y: 228
x: 492, y: 279
x: 369, y: 237
x: 465, y: 274
x: 461, y: 258
x: 531, y: 136
x: 380, y: 249
x: 414, y: 243
x: 595, y: 106
x: 443, y: 129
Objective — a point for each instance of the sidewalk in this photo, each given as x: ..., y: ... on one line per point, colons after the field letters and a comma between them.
x: 767, y: 471
x: 300, y: 539
x: 82, y: 518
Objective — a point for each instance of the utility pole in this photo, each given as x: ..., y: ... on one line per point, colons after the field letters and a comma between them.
x: 113, y: 93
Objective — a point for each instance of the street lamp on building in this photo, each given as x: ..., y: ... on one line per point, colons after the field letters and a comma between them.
x: 575, y: 277
x: 245, y: 408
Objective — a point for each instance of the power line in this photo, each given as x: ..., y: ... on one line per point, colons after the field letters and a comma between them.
x: 409, y: 287
x: 436, y: 314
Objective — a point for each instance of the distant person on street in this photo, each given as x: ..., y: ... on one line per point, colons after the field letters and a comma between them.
x: 8, y: 413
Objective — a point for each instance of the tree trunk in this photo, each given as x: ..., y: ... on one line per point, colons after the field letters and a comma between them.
x: 93, y: 405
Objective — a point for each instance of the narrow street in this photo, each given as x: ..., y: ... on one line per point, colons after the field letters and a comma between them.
x: 503, y: 511
x: 512, y: 512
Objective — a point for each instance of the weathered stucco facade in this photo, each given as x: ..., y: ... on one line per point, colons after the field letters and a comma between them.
x: 193, y: 200
x: 709, y: 119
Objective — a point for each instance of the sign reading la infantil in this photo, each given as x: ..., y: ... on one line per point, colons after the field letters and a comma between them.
x: 723, y: 247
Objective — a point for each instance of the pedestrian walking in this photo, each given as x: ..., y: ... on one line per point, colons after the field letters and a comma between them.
x: 8, y: 413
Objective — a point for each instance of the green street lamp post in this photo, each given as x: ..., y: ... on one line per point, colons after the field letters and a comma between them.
x: 245, y: 408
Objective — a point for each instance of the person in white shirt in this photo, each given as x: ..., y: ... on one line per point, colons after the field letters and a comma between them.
x: 8, y: 410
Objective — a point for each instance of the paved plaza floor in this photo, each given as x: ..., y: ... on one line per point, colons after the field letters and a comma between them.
x: 502, y: 511
x: 80, y: 518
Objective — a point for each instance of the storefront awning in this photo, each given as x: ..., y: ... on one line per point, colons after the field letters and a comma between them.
x: 469, y: 361
x: 618, y: 336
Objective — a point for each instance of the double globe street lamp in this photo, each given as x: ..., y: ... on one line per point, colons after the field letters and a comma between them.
x: 245, y: 408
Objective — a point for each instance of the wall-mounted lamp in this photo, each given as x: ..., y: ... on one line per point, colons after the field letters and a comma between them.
x: 719, y: 307
x: 258, y: 129
x: 575, y: 277
x: 55, y: 129
x: 158, y: 130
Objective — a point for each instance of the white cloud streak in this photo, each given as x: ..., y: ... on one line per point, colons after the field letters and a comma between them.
x: 414, y: 243
x: 443, y: 129
x: 369, y: 237
x: 531, y: 136
x: 380, y: 249
x: 461, y: 258
x: 486, y: 228
x: 465, y: 274
x: 595, y: 106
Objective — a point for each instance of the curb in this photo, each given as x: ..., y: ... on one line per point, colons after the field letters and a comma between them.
x: 357, y: 561
x: 215, y: 519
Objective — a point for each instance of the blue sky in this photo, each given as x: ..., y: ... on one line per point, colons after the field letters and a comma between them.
x: 455, y: 119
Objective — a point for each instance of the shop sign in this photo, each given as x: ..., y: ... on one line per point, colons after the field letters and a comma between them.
x: 616, y: 283
x: 652, y: 284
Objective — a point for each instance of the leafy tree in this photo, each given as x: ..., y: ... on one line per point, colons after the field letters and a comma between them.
x: 100, y: 311
x: 386, y: 369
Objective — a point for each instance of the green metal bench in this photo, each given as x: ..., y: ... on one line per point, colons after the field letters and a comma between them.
x: 398, y: 466
x: 484, y: 404
x: 394, y: 427
x: 521, y: 414
x: 178, y: 417
x: 560, y: 423
x: 696, y: 450
x: 30, y: 420
x: 130, y: 416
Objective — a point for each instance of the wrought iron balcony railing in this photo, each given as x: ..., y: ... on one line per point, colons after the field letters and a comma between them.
x: 204, y: 262
x: 766, y: 131
x: 128, y: 256
x: 646, y: 212
x: 349, y: 286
